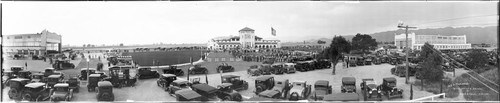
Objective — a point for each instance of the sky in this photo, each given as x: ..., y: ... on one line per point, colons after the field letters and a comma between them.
x: 197, y: 22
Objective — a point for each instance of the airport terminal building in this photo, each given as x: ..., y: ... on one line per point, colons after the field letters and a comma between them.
x: 245, y: 40
x: 32, y: 44
x: 440, y: 42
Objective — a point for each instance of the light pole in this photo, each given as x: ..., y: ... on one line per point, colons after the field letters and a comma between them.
x: 88, y: 72
x: 401, y: 25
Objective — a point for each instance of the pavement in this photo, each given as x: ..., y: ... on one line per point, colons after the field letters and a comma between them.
x: 147, y: 90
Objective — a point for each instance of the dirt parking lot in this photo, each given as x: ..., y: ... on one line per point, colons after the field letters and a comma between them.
x: 147, y: 90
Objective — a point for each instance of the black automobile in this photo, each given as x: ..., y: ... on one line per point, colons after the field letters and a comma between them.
x: 348, y: 85
x: 370, y: 90
x: 146, y: 72
x: 389, y: 88
x: 105, y: 91
x: 165, y: 80
x: 224, y: 67
x: 197, y: 69
x: 63, y: 64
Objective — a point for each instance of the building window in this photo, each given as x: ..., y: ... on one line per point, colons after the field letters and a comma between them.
x: 18, y: 37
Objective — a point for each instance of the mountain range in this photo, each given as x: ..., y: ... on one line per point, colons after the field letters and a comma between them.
x: 475, y: 35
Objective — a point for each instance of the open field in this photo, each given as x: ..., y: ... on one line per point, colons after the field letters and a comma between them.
x: 164, y: 57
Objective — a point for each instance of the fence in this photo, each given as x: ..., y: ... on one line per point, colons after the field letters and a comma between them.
x: 429, y: 97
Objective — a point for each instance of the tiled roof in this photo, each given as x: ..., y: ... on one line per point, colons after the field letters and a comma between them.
x: 247, y: 29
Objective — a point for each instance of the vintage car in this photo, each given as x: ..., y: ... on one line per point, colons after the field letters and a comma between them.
x: 279, y: 91
x: 352, y: 61
x: 263, y: 83
x: 63, y: 64
x: 227, y: 93
x: 344, y: 97
x: 61, y: 92
x: 400, y: 70
x: 173, y: 70
x: 205, y: 90
x: 188, y: 95
x: 323, y: 63
x: 254, y: 71
x: 265, y: 69
x: 92, y: 82
x: 277, y: 68
x: 302, y: 66
x: 36, y: 92
x: 105, y: 91
x: 178, y: 84
x: 300, y: 90
x: 370, y: 90
x: 384, y: 59
x: 121, y: 76
x: 146, y: 72
x: 361, y: 61
x: 393, y: 61
x: 197, y: 69
x: 377, y: 60
x: 54, y: 79
x: 312, y: 65
x: 236, y: 82
x: 368, y: 61
x: 389, y: 88
x: 224, y: 67
x: 348, y: 85
x: 289, y: 68
x: 74, y: 84
x: 37, y: 77
x: 165, y: 80
x: 16, y: 87
x: 321, y: 89
x: 16, y: 69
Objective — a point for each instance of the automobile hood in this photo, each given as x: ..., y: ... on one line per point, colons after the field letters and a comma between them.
x: 268, y: 93
x: 277, y: 88
x: 372, y: 86
x: 320, y: 92
x: 297, y: 89
x: 59, y: 95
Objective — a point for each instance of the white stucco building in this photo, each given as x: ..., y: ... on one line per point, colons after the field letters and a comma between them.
x: 439, y: 41
x: 32, y: 44
x: 245, y: 40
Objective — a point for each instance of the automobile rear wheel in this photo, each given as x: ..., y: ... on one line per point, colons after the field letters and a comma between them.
x: 27, y: 97
x: 226, y: 98
x: 14, y: 93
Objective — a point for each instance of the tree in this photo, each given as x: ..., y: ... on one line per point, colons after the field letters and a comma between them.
x: 477, y: 60
x: 338, y: 46
x: 363, y: 42
x: 431, y: 65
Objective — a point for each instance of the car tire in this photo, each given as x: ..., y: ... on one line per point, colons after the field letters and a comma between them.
x: 27, y: 97
x: 14, y: 93
x: 226, y: 98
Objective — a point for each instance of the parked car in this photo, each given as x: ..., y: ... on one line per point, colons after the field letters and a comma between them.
x: 302, y: 66
x: 173, y: 70
x: 227, y: 93
x: 370, y: 90
x: 321, y: 89
x: 146, y: 72
x: 61, y: 92
x: 205, y: 90
x: 289, y: 68
x: 368, y: 61
x: 361, y: 61
x: 300, y: 90
x: 121, y: 76
x: 188, y: 95
x: 105, y: 91
x: 277, y: 68
x: 236, y: 82
x: 178, y: 84
x: 36, y: 92
x: 224, y: 67
x: 165, y: 80
x: 16, y: 87
x: 63, y: 64
x: 389, y: 88
x: 37, y: 77
x: 197, y: 69
x: 54, y: 79
x: 263, y: 83
x: 92, y: 82
x: 265, y: 69
x: 348, y: 85
x: 254, y: 71
x: 74, y: 84
x: 280, y: 90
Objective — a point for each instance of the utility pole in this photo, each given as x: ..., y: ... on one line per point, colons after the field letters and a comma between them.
x: 407, y: 50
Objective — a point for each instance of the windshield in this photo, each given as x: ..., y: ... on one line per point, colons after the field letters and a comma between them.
x: 320, y: 87
x: 61, y: 89
x: 183, y: 85
x: 391, y: 84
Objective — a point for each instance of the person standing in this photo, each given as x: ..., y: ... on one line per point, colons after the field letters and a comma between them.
x: 50, y: 59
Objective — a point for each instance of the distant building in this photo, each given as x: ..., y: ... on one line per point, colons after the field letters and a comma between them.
x: 32, y: 44
x: 439, y: 41
x: 246, y: 40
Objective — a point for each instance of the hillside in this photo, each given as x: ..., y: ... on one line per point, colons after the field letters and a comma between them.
x: 475, y: 35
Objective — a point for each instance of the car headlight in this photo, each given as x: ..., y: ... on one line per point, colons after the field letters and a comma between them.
x: 370, y: 92
x: 379, y: 91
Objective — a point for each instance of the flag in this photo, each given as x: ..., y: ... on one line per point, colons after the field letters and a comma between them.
x: 273, y: 32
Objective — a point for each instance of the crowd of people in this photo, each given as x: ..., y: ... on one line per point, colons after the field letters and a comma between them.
x: 261, y: 55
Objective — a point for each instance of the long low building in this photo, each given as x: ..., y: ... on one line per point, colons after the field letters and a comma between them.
x: 440, y: 42
x: 32, y: 44
x: 246, y: 39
